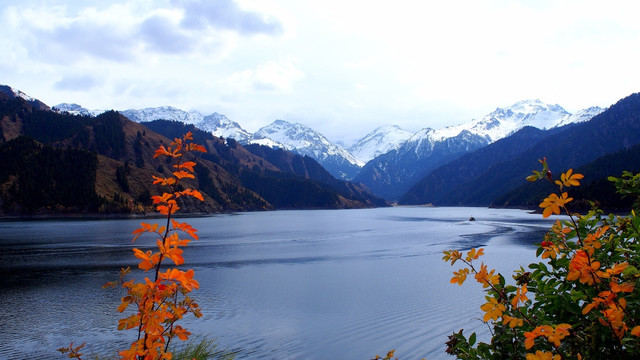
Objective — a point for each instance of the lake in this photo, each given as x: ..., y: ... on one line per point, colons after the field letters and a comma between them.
x: 317, y: 284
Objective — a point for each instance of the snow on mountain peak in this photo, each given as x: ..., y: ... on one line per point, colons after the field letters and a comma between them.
x: 292, y: 135
x: 533, y: 106
x: 163, y: 113
x: 75, y: 109
x: 498, y: 124
x: 217, y: 124
x: 504, y: 121
x: 22, y: 95
x: 70, y: 107
x: 381, y: 140
x: 220, y: 125
x: 15, y: 93
x: 582, y: 115
x: 302, y: 140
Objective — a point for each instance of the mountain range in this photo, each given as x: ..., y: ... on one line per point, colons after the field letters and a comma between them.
x: 389, y: 160
x: 494, y: 174
x: 392, y: 174
x: 449, y: 166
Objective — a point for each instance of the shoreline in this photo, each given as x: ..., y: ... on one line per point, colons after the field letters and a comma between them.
x: 80, y: 216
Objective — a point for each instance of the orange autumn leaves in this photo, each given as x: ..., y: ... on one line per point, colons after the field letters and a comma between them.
x: 167, y: 248
x: 494, y: 308
x: 553, y: 334
x: 554, y: 203
x: 504, y: 306
x: 483, y: 276
x: 161, y: 302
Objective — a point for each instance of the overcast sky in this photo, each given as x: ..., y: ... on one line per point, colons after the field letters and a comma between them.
x: 342, y: 67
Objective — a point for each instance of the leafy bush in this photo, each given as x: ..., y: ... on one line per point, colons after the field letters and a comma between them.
x: 579, y: 302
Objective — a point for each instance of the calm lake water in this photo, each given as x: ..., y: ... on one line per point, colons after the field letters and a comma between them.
x: 334, y: 284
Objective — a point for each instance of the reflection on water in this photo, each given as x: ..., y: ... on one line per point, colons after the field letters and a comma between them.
x: 344, y: 284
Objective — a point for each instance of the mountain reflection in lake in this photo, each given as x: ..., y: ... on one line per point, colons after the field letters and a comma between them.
x: 341, y: 284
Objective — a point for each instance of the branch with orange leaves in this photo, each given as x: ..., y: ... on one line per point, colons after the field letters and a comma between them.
x: 73, y: 352
x: 582, y: 266
x: 162, y: 302
x: 495, y: 307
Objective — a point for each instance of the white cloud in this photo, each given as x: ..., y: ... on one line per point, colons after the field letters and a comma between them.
x: 334, y: 64
x: 226, y: 14
x: 161, y: 32
x: 76, y: 82
x: 126, y: 32
x: 273, y: 76
x: 53, y: 34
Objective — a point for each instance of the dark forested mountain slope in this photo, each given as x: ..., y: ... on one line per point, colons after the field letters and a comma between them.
x: 390, y: 175
x: 304, y: 166
x: 284, y: 179
x: 594, y: 187
x: 36, y: 176
x: 438, y: 186
x: 119, y: 172
x: 55, y: 163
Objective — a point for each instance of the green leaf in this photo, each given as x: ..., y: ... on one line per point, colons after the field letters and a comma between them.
x: 543, y: 267
x: 630, y: 271
x: 502, y: 281
x: 472, y: 339
x: 570, y: 306
x: 577, y: 295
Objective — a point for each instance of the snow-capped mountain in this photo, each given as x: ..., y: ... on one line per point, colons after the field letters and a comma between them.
x: 390, y: 174
x: 381, y: 140
x: 14, y: 93
x: 582, y: 116
x: 505, y: 121
x: 394, y: 157
x: 293, y: 137
x: 163, y: 113
x: 218, y: 124
x: 76, y: 109
x: 303, y: 140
